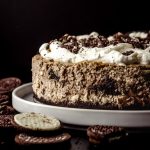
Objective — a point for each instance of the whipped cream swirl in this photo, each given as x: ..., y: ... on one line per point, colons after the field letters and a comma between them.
x: 116, y: 54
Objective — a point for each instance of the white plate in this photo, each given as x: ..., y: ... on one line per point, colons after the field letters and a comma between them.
x: 22, y: 100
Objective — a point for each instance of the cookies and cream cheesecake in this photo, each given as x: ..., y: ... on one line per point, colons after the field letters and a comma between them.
x: 93, y: 71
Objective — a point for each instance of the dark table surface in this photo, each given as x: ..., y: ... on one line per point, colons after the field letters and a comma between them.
x: 138, y: 138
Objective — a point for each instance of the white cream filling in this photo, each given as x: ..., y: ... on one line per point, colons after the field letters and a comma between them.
x: 37, y: 121
x: 108, y: 54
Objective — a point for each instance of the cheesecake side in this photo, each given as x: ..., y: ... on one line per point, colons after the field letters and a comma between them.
x: 91, y: 84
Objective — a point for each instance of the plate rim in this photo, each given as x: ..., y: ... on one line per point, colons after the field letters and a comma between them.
x: 22, y: 101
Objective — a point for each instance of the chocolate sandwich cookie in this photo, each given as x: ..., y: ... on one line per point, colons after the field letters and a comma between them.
x: 38, y: 129
x: 36, y: 122
x: 7, y: 85
x: 100, y: 134
x: 6, y: 121
x: 25, y: 139
x: 7, y: 110
x: 4, y: 100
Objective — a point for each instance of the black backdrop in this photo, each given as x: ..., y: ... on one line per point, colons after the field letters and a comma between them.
x: 26, y: 24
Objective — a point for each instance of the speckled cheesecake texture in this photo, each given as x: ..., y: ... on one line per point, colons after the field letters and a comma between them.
x: 91, y: 84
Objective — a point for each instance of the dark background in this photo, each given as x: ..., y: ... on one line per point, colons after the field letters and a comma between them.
x: 26, y: 24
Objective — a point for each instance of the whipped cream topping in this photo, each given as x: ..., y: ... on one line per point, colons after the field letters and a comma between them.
x: 141, y: 35
x: 121, y: 53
